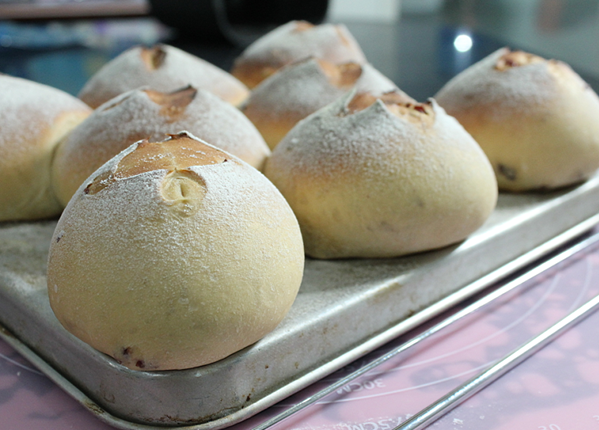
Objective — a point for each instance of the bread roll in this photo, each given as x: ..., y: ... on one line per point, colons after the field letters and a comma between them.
x: 536, y: 119
x: 174, y: 255
x: 298, y: 90
x: 148, y: 114
x: 34, y: 118
x: 163, y: 68
x: 382, y: 177
x: 295, y: 41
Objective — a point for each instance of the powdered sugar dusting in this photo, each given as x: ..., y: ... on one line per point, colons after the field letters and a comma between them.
x: 128, y: 71
x: 284, y: 45
x: 503, y: 92
x: 330, y: 136
x: 27, y: 109
x: 233, y: 192
x: 331, y: 143
x: 302, y: 88
x: 241, y: 253
x: 374, y: 82
x: 369, y: 183
x: 134, y: 116
x: 33, y: 118
x: 296, y: 90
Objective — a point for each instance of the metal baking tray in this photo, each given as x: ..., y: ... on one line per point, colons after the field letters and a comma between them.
x: 344, y: 310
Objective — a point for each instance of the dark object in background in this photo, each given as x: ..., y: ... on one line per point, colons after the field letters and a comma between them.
x: 238, y: 22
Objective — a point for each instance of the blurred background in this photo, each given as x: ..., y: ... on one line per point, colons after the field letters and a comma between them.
x: 419, y: 44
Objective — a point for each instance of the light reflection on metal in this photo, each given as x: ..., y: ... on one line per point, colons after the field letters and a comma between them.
x: 462, y: 43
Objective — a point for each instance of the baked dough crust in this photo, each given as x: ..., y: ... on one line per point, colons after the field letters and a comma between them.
x: 295, y: 41
x: 285, y: 98
x: 174, y: 255
x: 162, y: 68
x: 148, y: 114
x: 382, y: 179
x: 536, y: 119
x: 34, y: 118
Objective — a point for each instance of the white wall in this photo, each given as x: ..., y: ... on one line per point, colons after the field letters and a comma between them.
x: 364, y: 10
x: 378, y: 10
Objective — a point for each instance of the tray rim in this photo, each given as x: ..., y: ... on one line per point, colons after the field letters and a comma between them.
x: 303, y: 381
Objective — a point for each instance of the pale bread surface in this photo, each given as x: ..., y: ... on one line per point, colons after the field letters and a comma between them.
x: 537, y: 123
x: 174, y: 69
x: 372, y: 184
x: 172, y: 269
x: 298, y: 90
x: 34, y: 118
x: 295, y: 41
x: 134, y: 116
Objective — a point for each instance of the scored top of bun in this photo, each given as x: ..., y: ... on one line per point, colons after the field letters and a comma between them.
x: 294, y: 41
x: 536, y: 119
x: 174, y: 255
x: 301, y: 88
x: 163, y: 68
x: 34, y: 118
x: 149, y: 114
x: 381, y: 177
x: 503, y: 87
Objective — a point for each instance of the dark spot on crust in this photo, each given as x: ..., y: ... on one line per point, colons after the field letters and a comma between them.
x: 266, y: 367
x: 508, y: 172
x: 420, y: 109
x: 127, y: 351
x: 140, y: 364
x: 247, y: 399
x: 58, y: 237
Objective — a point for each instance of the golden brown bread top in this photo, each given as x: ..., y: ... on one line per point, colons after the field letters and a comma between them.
x: 398, y: 103
x: 180, y: 261
x: 163, y: 68
x: 295, y: 41
x: 153, y: 57
x: 516, y: 59
x: 174, y: 155
x: 342, y: 75
x: 173, y: 103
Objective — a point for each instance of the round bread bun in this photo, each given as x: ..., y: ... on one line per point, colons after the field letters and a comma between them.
x: 34, y: 118
x: 174, y: 255
x: 298, y: 90
x: 295, y: 41
x: 536, y: 119
x: 163, y: 68
x: 148, y: 114
x: 382, y: 177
